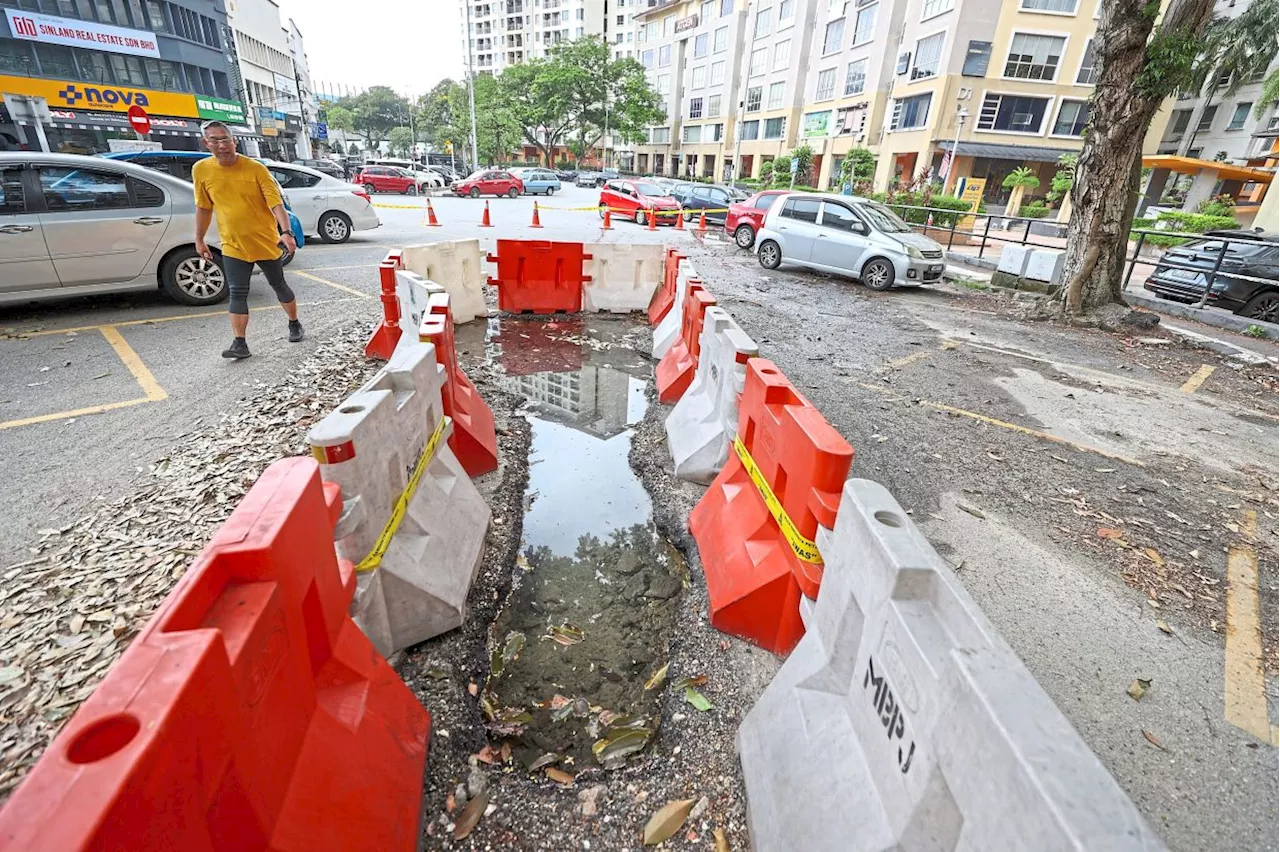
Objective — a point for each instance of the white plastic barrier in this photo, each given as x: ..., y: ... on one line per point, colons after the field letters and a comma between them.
x: 416, y: 549
x: 1013, y: 259
x: 902, y: 720
x: 704, y: 421
x: 459, y: 267
x: 413, y: 292
x: 668, y: 330
x: 1045, y: 266
x: 621, y: 278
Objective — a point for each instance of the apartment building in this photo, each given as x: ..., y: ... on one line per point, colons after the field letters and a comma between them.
x: 271, y: 87
x: 500, y: 33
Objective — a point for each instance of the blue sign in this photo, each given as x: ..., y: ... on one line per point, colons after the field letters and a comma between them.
x: 319, y: 130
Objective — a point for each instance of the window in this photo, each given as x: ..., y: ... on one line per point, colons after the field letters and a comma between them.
x: 855, y: 77
x: 726, y: 8
x: 12, y: 199
x: 668, y: 26
x: 695, y: 107
x: 1088, y: 74
x: 74, y: 189
x: 717, y: 73
x: 833, y: 38
x: 651, y: 31
x: 774, y: 128
x: 646, y: 58
x: 660, y: 135
x: 935, y: 7
x: 1206, y: 118
x: 976, y: 59
x: 700, y: 46
x: 1057, y: 7
x: 777, y: 91
x: 909, y: 113
x: 826, y: 87
x: 713, y: 106
x: 717, y: 133
x: 692, y: 133
x: 753, y: 98
x: 698, y: 78
x: 764, y: 202
x: 290, y: 179
x: 708, y: 11
x: 1238, y: 117
x: 781, y: 55
x: 764, y: 22
x: 1072, y: 117
x: 1012, y: 113
x: 55, y: 60
x: 928, y: 56
x: 721, y: 41
x: 864, y: 23
x: 156, y: 14
x: 759, y: 58
x: 839, y: 217
x: 804, y: 209
x: 662, y: 84
x: 749, y: 130
x: 1178, y: 122
x: 786, y: 11
x: 664, y: 56
x: 1034, y: 57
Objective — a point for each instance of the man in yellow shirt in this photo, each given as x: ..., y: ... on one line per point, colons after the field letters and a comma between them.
x: 247, y: 202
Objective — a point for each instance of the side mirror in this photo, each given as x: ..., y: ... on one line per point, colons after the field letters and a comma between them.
x: 860, y: 228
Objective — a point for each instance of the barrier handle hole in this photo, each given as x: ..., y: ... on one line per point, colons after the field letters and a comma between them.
x: 889, y: 519
x: 351, y: 409
x: 103, y: 738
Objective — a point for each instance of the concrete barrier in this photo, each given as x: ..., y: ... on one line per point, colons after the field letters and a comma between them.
x: 413, y: 523
x: 704, y: 421
x: 459, y: 267
x: 413, y: 292
x: 902, y: 720
x: 621, y: 278
x: 1045, y: 267
x: 667, y: 332
x: 1011, y: 266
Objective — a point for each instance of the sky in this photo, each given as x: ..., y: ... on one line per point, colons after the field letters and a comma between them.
x: 409, y: 46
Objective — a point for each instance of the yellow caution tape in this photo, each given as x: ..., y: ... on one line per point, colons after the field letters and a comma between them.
x: 374, y: 559
x: 615, y: 210
x: 399, y: 206
x: 805, y: 549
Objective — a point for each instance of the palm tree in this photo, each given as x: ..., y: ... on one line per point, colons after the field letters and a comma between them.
x: 1018, y: 180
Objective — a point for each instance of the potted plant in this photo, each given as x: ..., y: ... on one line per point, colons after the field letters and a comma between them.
x: 1019, y: 180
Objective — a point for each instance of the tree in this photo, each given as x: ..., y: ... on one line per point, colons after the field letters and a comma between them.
x: 857, y: 169
x: 803, y: 157
x: 539, y: 103
x: 782, y: 170
x: 496, y: 130
x: 1019, y: 180
x: 342, y: 118
x: 1140, y: 65
x: 353, y: 149
x: 1240, y: 49
x: 1269, y: 94
x: 435, y: 115
x: 603, y: 94
x: 375, y: 111
x: 1060, y: 187
x: 400, y: 141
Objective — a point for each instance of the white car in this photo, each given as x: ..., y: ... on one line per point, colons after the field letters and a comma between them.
x: 327, y: 207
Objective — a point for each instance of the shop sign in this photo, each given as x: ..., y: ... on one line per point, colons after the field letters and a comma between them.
x: 219, y: 109
x: 100, y: 96
x: 686, y: 23
x: 116, y: 119
x: 319, y: 131
x: 87, y: 34
x: 816, y: 123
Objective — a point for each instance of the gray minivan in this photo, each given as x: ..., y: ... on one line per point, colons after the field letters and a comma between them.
x: 847, y: 235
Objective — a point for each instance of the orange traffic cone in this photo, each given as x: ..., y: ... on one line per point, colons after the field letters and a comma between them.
x: 702, y: 221
x: 536, y: 223
x: 484, y: 222
x: 432, y: 221
x: 679, y: 220
x: 608, y: 220
x: 653, y: 220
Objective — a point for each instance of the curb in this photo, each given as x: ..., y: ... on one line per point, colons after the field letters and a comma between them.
x: 1207, y: 316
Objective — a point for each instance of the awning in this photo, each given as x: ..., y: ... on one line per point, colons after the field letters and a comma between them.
x: 1191, y: 166
x: 161, y: 125
x: 1007, y: 152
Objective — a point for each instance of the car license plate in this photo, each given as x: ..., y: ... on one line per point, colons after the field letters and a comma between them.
x: 1184, y: 275
x: 936, y: 268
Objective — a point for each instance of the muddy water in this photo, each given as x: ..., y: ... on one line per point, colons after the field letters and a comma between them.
x: 588, y: 622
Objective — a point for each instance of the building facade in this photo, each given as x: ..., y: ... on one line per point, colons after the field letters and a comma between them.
x: 314, y: 132
x: 500, y: 33
x: 87, y: 63
x: 270, y: 85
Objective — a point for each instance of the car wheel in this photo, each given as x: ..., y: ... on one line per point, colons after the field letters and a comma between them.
x: 1263, y: 307
x: 475, y: 192
x: 744, y: 236
x: 688, y: 215
x: 335, y: 227
x: 770, y: 254
x: 878, y: 274
x: 551, y: 190
x: 370, y: 188
x: 412, y: 190
x: 602, y: 209
x: 188, y: 278
x: 513, y: 193
x: 640, y: 220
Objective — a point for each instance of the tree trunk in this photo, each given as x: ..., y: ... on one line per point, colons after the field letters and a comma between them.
x: 1014, y: 207
x: 1110, y: 165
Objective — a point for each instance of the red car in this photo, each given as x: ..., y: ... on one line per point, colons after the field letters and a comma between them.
x: 489, y: 182
x: 745, y: 218
x: 639, y: 200
x: 387, y: 179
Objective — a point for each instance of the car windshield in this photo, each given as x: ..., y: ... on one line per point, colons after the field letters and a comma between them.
x: 650, y: 189
x: 884, y: 219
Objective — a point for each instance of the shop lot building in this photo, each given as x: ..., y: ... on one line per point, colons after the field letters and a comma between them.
x: 90, y: 61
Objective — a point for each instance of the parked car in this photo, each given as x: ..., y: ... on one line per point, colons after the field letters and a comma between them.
x: 680, y: 190
x: 180, y: 163
x: 746, y: 217
x: 423, y: 176
x: 489, y: 182
x: 537, y: 181
x: 72, y: 225
x: 1257, y: 257
x: 847, y: 235
x: 587, y: 179
x: 567, y: 175
x: 639, y: 200
x: 713, y: 198
x: 329, y: 167
x: 390, y: 179
x: 328, y: 207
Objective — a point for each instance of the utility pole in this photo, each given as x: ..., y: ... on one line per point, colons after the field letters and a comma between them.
x: 471, y: 91
x: 961, y: 115
x: 744, y: 81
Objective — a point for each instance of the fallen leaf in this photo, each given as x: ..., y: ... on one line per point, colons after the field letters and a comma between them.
x: 1108, y: 532
x: 488, y: 755
x: 1164, y: 627
x: 972, y: 510
x: 470, y: 816
x: 450, y: 803
x: 1154, y: 556
x: 1138, y: 688
x: 436, y: 674
x: 559, y: 775
x: 1151, y: 738
x: 722, y: 842
x: 995, y: 457
x: 656, y: 679
x: 697, y: 699
x: 506, y: 752
x: 472, y: 688
x: 565, y: 634
x: 696, y: 680
x: 621, y: 744
x: 667, y: 821
x: 546, y: 760
x: 557, y: 701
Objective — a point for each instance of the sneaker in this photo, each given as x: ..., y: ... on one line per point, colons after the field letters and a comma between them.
x: 295, y: 331
x: 238, y: 349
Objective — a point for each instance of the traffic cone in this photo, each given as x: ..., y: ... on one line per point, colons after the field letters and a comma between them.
x: 679, y: 220
x: 432, y: 221
x: 702, y: 221
x: 484, y: 222
x: 653, y: 220
x: 608, y: 220
x: 536, y: 223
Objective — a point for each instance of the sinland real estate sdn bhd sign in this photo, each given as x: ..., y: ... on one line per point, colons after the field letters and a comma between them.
x: 87, y: 34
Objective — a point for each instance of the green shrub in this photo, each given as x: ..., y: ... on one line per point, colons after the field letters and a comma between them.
x: 1035, y: 210
x: 1196, y: 223
x: 947, y: 209
x: 1223, y: 205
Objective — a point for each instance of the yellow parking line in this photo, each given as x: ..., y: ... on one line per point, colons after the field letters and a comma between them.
x: 77, y: 412
x: 1246, y: 687
x: 912, y: 358
x: 49, y: 332
x: 134, y: 364
x: 1193, y: 384
x: 334, y: 284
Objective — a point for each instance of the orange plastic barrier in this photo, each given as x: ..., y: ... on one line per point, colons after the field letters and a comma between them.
x: 538, y: 276
x: 665, y: 296
x: 473, y: 439
x: 385, y: 337
x: 250, y: 713
x: 676, y: 369
x: 754, y: 572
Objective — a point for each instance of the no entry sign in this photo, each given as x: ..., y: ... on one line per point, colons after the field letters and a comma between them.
x: 139, y: 119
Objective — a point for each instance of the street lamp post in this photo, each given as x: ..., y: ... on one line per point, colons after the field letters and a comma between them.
x: 471, y: 91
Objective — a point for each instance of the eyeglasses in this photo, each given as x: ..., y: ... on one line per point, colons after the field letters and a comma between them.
x: 219, y: 140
